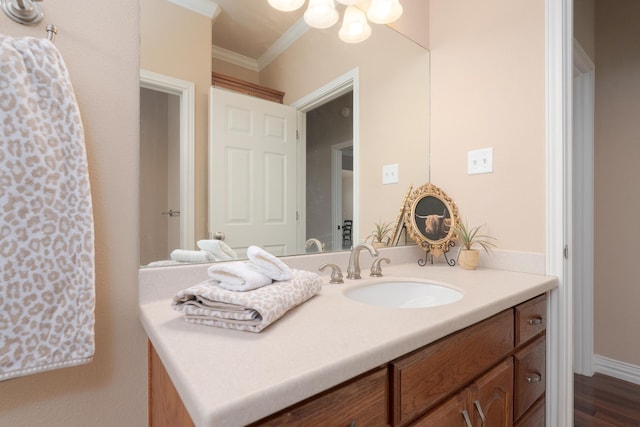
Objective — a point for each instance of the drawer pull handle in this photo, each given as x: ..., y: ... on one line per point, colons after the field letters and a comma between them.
x: 465, y: 414
x: 535, y: 321
x: 480, y: 412
x: 534, y: 378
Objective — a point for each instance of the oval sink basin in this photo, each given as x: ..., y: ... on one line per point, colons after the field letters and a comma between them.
x: 404, y: 294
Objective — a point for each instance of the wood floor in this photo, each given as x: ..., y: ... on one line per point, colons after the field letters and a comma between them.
x: 602, y: 401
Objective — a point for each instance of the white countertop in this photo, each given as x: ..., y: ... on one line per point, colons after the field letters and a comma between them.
x: 231, y: 378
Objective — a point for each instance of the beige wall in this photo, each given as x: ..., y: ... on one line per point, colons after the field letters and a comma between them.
x: 177, y: 42
x: 617, y: 151
x: 488, y: 90
x: 394, y: 107
x: 99, y: 42
x: 583, y: 25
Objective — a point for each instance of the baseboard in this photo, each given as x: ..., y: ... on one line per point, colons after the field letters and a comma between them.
x: 616, y: 369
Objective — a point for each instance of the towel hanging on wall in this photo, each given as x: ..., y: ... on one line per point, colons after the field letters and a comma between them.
x: 47, y: 292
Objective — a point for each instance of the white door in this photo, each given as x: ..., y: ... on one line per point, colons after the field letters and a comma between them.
x: 253, y: 201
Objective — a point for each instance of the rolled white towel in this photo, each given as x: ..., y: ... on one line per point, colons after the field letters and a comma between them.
x: 237, y: 276
x: 219, y: 249
x: 185, y: 255
x: 267, y: 264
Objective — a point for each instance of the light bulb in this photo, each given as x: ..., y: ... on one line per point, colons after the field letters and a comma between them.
x: 286, y: 5
x: 349, y: 2
x: 355, y: 27
x: 384, y: 11
x: 321, y: 14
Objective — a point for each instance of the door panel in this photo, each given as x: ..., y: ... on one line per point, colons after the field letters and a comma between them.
x: 253, y: 143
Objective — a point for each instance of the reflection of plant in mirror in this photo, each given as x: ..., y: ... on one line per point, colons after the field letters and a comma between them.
x: 469, y: 237
x: 380, y: 232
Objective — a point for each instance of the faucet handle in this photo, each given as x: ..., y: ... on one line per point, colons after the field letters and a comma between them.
x: 336, y: 273
x: 376, y: 268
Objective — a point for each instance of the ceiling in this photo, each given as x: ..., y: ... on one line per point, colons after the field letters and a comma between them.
x: 250, y: 27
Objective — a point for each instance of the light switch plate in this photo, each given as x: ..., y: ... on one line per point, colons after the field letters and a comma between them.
x: 480, y: 161
x: 390, y: 174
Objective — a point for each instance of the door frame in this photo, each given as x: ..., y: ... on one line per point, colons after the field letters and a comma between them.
x: 558, y: 217
x: 186, y: 92
x: 350, y: 81
x: 583, y: 208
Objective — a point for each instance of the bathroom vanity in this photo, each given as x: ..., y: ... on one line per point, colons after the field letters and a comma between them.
x: 334, y: 361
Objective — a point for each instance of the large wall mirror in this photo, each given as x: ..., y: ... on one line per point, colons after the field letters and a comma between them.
x: 358, y: 107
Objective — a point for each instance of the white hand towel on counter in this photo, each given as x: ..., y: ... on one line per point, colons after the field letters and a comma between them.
x: 185, y: 255
x: 208, y: 304
x: 267, y: 264
x: 237, y: 276
x: 218, y: 249
x: 47, y: 291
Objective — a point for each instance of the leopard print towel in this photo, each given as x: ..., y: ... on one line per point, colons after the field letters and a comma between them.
x: 47, y: 294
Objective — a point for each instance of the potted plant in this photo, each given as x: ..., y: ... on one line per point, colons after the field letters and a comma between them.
x: 468, y: 257
x: 379, y: 236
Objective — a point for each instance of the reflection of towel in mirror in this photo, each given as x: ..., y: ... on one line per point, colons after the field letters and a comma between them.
x: 218, y: 249
x: 185, y: 255
x: 237, y: 276
x: 208, y: 304
x: 265, y: 263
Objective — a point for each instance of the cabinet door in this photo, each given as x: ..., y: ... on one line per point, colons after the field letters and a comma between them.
x: 452, y: 413
x: 492, y: 397
x: 427, y: 376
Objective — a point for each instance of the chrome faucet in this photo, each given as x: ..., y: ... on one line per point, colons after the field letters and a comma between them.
x: 353, y: 271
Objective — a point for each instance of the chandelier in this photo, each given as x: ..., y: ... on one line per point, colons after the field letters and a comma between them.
x: 355, y: 21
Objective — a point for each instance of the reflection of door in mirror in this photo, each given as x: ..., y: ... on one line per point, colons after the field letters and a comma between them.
x: 253, y: 173
x: 159, y: 175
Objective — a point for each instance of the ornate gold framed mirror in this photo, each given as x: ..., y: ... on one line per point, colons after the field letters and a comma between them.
x: 431, y: 217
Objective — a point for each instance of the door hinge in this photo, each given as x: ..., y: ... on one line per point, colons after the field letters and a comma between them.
x: 566, y: 252
x: 297, y: 134
x: 297, y: 216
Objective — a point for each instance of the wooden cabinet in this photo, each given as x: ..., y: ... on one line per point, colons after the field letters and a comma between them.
x: 530, y: 359
x: 165, y: 406
x: 427, y: 376
x: 488, y: 401
x: 361, y: 402
x: 247, y: 88
x: 493, y: 370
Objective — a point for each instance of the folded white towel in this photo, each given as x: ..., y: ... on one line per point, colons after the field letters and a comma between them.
x: 267, y: 264
x: 218, y: 249
x: 208, y: 304
x: 237, y: 276
x: 185, y: 255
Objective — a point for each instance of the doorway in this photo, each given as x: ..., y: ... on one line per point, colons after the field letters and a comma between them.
x: 329, y: 165
x: 159, y: 175
x: 166, y: 168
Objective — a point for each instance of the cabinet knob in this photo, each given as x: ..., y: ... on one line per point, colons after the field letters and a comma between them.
x: 535, y: 321
x: 353, y: 423
x: 534, y: 378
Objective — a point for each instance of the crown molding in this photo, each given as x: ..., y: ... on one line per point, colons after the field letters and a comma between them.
x: 234, y: 58
x: 287, y: 39
x: 208, y: 8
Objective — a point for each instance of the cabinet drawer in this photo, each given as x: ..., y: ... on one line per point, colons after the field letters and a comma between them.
x: 361, y: 402
x: 531, y: 319
x: 530, y: 376
x: 535, y: 417
x: 427, y: 376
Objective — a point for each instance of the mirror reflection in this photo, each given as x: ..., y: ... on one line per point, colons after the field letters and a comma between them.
x: 356, y: 109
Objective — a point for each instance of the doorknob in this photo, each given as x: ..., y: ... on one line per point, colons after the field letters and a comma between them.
x: 219, y: 235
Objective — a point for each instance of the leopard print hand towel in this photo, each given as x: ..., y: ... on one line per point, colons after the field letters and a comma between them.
x: 47, y: 293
